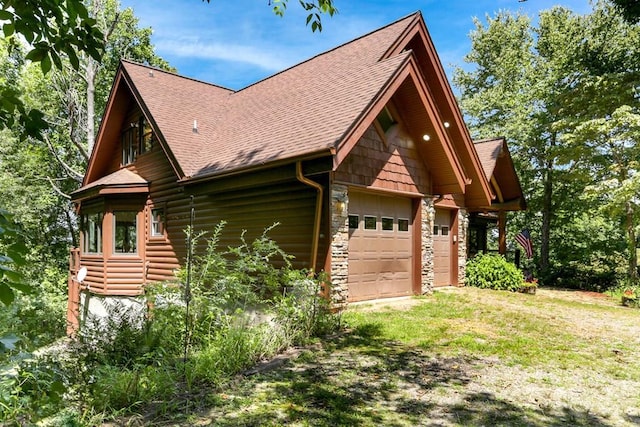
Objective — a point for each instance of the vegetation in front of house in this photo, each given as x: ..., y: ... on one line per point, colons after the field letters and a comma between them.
x: 461, y: 357
x: 492, y: 271
x: 242, y: 309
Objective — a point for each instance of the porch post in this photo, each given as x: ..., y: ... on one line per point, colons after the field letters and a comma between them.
x: 502, y: 232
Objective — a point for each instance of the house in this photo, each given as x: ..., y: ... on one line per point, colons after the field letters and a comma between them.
x: 360, y: 153
x: 500, y: 172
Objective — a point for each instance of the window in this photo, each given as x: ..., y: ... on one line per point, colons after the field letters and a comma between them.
x: 445, y: 230
x: 353, y: 221
x: 146, y: 135
x: 403, y: 225
x: 136, y: 139
x: 385, y: 119
x: 387, y: 224
x: 129, y: 145
x: 370, y: 222
x: 126, y: 232
x: 157, y: 222
x: 436, y: 229
x: 92, y: 233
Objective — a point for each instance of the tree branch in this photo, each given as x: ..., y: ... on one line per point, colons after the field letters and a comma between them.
x: 74, y: 174
x: 58, y: 190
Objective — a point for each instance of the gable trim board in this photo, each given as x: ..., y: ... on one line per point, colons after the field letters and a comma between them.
x: 319, y: 148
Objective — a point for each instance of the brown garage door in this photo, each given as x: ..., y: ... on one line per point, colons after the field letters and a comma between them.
x: 442, y: 248
x: 380, y: 246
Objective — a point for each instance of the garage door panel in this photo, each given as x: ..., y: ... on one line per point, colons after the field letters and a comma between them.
x: 442, y: 248
x: 379, y: 260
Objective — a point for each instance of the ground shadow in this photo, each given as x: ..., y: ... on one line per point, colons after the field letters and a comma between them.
x: 360, y: 379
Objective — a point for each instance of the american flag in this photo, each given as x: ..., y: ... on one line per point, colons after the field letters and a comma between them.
x: 524, y: 239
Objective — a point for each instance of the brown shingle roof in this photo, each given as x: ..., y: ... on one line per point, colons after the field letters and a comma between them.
x: 305, y: 109
x: 122, y: 178
x: 488, y: 151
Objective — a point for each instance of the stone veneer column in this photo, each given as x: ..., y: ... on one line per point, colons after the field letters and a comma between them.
x: 339, y: 246
x: 463, y: 239
x: 428, y: 214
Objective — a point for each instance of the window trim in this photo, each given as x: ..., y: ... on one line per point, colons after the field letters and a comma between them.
x: 99, y: 234
x: 163, y: 234
x: 114, y: 232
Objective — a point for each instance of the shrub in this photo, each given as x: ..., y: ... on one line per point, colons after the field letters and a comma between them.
x: 493, y: 272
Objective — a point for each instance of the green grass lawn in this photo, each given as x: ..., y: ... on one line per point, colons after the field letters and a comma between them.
x: 459, y: 357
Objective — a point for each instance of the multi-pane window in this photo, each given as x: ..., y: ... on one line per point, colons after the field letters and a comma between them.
x: 136, y: 139
x: 146, y: 135
x: 126, y: 232
x: 129, y: 145
x: 92, y: 233
x: 157, y: 222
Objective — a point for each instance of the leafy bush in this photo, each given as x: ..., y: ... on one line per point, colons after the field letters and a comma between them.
x: 490, y: 271
x: 242, y: 309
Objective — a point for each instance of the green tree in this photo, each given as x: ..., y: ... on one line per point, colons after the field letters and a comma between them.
x: 529, y: 83
x: 602, y: 118
x: 630, y: 9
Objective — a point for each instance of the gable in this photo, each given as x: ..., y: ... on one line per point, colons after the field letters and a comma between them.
x: 317, y: 109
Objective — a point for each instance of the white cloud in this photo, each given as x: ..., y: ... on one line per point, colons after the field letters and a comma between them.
x: 222, y: 51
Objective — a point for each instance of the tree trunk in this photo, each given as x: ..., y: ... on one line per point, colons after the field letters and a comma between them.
x: 547, y: 209
x: 631, y: 241
x: 91, y: 72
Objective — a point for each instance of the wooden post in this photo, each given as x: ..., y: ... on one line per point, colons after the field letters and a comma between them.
x: 502, y: 232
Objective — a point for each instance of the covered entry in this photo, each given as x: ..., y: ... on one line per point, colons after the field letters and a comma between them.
x: 380, y: 246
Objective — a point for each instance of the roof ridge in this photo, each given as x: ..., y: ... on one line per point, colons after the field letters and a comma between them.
x: 172, y: 74
x: 326, y: 52
x: 496, y: 138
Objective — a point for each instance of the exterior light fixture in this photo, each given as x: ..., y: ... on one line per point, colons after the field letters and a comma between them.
x: 426, y: 137
x: 446, y: 124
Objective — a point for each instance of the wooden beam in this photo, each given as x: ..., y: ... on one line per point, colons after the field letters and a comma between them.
x: 502, y: 232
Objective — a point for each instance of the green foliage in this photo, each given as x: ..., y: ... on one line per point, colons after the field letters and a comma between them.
x: 54, y: 30
x: 563, y: 90
x: 490, y: 271
x: 11, y: 256
x: 627, y: 290
x: 315, y: 8
x: 242, y: 310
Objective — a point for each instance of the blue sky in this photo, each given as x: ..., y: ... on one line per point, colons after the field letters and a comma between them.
x: 236, y: 43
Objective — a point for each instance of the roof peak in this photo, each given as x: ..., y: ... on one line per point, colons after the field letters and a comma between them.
x: 154, y: 68
x: 410, y: 16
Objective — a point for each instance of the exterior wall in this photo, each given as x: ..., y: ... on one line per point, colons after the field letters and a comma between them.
x: 393, y: 164
x: 463, y: 239
x: 427, y: 273
x: 339, y: 291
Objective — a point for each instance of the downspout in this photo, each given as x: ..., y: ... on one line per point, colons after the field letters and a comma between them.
x: 318, y: 217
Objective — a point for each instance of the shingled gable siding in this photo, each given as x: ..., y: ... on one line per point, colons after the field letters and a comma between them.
x: 395, y: 165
